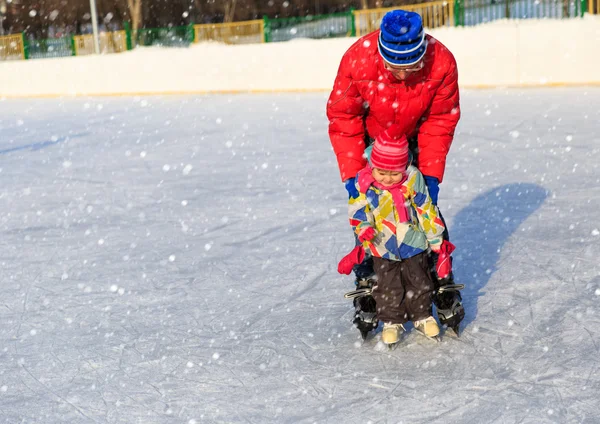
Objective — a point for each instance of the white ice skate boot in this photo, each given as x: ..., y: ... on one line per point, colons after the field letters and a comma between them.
x: 391, y: 333
x: 428, y: 327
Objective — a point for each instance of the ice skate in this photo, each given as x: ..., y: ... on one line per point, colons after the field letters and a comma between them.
x: 391, y: 334
x: 447, y: 299
x: 428, y: 327
x: 365, y: 309
x: 365, y: 317
x: 448, y: 303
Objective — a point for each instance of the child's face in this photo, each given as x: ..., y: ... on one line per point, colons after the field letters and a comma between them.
x: 387, y: 178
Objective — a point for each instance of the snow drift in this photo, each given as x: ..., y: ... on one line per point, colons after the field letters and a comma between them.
x: 502, y: 53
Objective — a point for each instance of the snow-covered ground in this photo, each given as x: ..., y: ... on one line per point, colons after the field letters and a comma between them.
x: 501, y: 53
x: 173, y: 260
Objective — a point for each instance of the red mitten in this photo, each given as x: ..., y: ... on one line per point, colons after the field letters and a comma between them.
x: 366, y: 234
x: 353, y: 258
x: 443, y: 267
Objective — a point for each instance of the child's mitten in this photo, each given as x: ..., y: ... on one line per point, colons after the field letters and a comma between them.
x: 353, y: 258
x: 366, y: 234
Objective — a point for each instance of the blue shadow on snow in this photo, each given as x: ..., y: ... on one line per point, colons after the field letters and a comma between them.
x: 41, y: 144
x: 480, y: 231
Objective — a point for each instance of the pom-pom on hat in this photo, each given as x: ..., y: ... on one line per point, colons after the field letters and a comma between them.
x: 402, y: 39
x: 390, y: 151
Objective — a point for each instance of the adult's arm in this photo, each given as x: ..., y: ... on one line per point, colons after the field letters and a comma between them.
x: 345, y: 111
x: 437, y: 129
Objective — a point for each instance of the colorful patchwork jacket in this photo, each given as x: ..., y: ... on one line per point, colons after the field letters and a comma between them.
x: 397, y: 240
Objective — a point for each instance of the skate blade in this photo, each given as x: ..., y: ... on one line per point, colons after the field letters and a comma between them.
x: 436, y: 339
x: 358, y: 293
x: 365, y: 330
x: 451, y: 331
x: 392, y: 346
x: 451, y: 287
x: 456, y: 330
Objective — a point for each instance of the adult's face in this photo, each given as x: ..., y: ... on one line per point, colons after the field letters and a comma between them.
x: 402, y: 72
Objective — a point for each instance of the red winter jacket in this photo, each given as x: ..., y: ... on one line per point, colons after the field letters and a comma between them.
x: 368, y: 98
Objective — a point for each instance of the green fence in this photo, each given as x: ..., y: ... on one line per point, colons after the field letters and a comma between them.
x: 180, y: 36
x: 318, y: 26
x: 51, y: 47
x: 351, y: 23
x: 474, y: 12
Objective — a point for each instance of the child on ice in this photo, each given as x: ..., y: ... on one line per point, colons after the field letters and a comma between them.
x: 396, y: 222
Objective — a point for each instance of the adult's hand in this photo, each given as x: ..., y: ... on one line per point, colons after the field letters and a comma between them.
x: 433, y: 186
x: 443, y: 267
x: 350, y: 185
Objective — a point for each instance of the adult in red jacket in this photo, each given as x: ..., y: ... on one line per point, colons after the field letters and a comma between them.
x: 398, y: 76
x: 371, y: 92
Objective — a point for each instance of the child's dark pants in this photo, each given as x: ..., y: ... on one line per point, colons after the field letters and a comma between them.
x: 404, y: 289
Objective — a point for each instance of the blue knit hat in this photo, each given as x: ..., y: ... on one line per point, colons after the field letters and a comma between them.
x: 402, y: 39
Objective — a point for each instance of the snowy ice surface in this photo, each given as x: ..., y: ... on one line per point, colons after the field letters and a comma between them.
x: 173, y: 260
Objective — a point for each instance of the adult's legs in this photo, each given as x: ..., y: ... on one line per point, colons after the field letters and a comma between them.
x: 365, y: 313
x: 448, y: 303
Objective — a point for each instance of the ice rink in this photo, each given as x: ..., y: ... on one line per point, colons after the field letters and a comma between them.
x: 173, y: 260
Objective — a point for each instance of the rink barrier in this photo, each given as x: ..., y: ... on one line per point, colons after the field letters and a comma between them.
x: 435, y: 14
x: 353, y: 23
x: 12, y: 47
x: 175, y: 36
x: 50, y: 47
x: 476, y: 12
x: 312, y: 26
x: 245, y: 32
x: 110, y: 42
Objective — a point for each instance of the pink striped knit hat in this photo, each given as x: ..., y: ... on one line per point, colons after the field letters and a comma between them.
x: 390, y: 151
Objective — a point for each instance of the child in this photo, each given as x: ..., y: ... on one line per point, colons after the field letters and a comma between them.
x: 396, y: 222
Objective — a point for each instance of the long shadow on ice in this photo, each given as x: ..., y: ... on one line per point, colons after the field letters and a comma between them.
x: 480, y: 231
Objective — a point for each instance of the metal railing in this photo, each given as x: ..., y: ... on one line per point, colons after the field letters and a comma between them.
x: 12, y: 47
x: 435, y: 14
x: 245, y: 32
